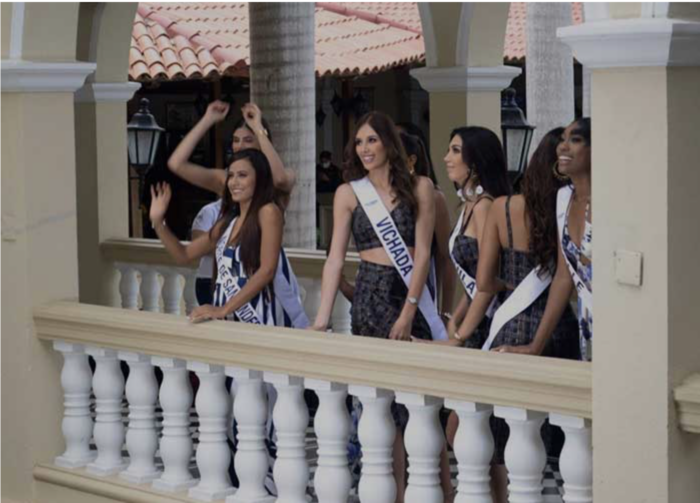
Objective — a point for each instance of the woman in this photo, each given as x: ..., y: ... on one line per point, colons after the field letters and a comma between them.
x: 386, y: 300
x: 251, y: 132
x: 247, y: 239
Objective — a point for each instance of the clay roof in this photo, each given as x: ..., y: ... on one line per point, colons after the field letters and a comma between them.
x: 174, y: 41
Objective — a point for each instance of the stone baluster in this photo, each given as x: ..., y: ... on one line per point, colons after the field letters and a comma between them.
x: 76, y: 380
x: 128, y: 286
x: 108, y: 386
x: 376, y: 433
x: 150, y: 288
x: 250, y: 412
x: 525, y: 455
x: 576, y: 459
x: 189, y: 292
x: 213, y: 405
x: 473, y: 447
x: 340, y: 316
x: 141, y: 436
x: 176, y: 442
x: 424, y: 440
x: 332, y: 424
x: 291, y: 417
x: 172, y: 290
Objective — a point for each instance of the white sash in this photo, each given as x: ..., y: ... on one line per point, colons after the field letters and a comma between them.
x: 563, y: 199
x: 522, y: 297
x: 395, y: 247
x: 246, y: 313
x: 287, y: 293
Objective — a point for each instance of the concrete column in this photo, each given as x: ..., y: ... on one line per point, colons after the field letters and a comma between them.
x: 646, y: 115
x: 282, y: 84
x: 549, y: 69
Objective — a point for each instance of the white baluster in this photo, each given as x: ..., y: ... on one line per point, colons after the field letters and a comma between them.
x: 525, y: 455
x: 311, y: 293
x: 576, y: 459
x: 128, y: 286
x: 291, y: 417
x: 473, y: 449
x: 213, y: 456
x: 76, y: 380
x: 108, y: 385
x: 176, y: 442
x: 141, y: 436
x: 340, y: 316
x: 189, y: 293
x: 332, y: 424
x: 376, y: 433
x: 250, y: 412
x: 172, y: 290
x: 424, y: 441
x: 150, y: 288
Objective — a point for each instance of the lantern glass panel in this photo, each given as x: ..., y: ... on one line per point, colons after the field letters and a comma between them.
x: 515, y: 143
x: 154, y: 148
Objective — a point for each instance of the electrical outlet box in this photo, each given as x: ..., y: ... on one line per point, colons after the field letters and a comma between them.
x: 628, y: 267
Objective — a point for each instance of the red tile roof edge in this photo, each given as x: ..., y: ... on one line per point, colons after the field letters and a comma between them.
x: 366, y: 16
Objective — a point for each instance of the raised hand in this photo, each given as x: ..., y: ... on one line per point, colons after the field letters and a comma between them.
x: 217, y: 111
x: 253, y: 116
x: 160, y: 199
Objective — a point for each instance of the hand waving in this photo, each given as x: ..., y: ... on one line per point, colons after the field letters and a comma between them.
x: 253, y: 116
x: 217, y: 111
x: 160, y: 199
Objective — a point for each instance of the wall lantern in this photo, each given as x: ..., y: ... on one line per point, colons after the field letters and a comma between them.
x: 517, y: 135
x: 143, y: 137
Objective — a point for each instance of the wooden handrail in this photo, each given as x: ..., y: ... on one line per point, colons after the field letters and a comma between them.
x: 687, y: 397
x: 536, y: 383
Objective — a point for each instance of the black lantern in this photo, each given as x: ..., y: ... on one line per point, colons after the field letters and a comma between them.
x: 517, y: 135
x: 143, y: 137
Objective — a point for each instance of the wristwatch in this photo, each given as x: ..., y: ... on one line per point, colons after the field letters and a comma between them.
x: 412, y: 300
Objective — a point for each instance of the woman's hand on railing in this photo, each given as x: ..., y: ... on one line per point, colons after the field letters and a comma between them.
x: 160, y: 200
x: 529, y: 349
x: 319, y: 327
x: 206, y: 312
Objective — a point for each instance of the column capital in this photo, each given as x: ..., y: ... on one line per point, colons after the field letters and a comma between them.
x: 634, y: 42
x: 103, y: 92
x: 465, y: 79
x: 19, y: 76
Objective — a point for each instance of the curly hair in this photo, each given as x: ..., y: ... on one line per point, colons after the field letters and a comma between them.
x: 400, y: 178
x: 540, y: 188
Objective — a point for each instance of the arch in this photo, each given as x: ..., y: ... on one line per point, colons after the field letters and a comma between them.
x: 50, y: 32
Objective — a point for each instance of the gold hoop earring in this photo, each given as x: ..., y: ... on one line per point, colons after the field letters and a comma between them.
x: 558, y: 174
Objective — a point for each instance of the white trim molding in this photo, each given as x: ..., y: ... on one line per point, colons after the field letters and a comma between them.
x: 465, y: 79
x: 98, y: 92
x: 634, y: 42
x: 37, y: 77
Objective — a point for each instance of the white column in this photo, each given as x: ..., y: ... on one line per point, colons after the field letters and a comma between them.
x: 176, y: 442
x: 525, y: 455
x: 332, y: 424
x: 473, y: 449
x: 150, y: 288
x: 576, y: 459
x: 424, y: 440
x: 76, y: 380
x: 213, y: 456
x: 250, y: 412
x: 290, y: 417
x: 172, y: 290
x: 141, y: 436
x: 376, y: 432
x: 128, y: 286
x: 189, y: 293
x: 108, y: 386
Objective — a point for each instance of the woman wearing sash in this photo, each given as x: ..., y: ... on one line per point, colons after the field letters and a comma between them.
x: 385, y: 208
x: 251, y: 132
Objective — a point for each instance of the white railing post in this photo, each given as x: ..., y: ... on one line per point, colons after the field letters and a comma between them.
x: 189, y: 292
x: 376, y: 433
x: 213, y: 405
x: 172, y: 290
x: 128, y: 286
x: 76, y: 380
x: 150, y: 288
x: 340, y: 316
x: 108, y: 386
x: 141, y: 436
x: 576, y: 459
x: 424, y: 441
x: 176, y: 442
x: 473, y: 447
x: 525, y: 455
x: 290, y: 417
x: 250, y: 412
x: 332, y: 424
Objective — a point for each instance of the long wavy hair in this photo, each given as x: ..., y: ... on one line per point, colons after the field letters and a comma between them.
x: 264, y: 193
x: 414, y: 146
x: 400, y: 178
x: 483, y: 153
x: 539, y: 187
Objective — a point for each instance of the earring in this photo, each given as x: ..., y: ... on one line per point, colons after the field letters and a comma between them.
x: 558, y: 174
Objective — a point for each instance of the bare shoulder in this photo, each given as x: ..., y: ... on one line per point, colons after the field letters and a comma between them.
x: 517, y: 205
x: 270, y: 213
x: 440, y: 199
x: 345, y: 196
x: 424, y: 188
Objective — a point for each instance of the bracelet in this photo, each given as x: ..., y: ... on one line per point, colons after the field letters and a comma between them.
x: 446, y: 315
x: 264, y: 132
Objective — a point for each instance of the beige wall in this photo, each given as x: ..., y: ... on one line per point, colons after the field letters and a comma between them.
x: 487, y: 33
x: 6, y: 15
x: 689, y: 11
x: 50, y: 31
x: 625, y: 10
x: 446, y: 18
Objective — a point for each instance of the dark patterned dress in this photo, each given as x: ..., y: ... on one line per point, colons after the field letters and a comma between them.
x: 521, y: 330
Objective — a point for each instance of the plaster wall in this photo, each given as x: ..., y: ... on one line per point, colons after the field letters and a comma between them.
x: 112, y: 50
x: 445, y: 24
x: 39, y: 263
x: 6, y: 15
x: 50, y: 31
x: 487, y: 29
x: 625, y: 10
x: 689, y: 11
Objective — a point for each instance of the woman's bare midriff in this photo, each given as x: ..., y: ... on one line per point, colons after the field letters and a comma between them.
x: 379, y: 256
